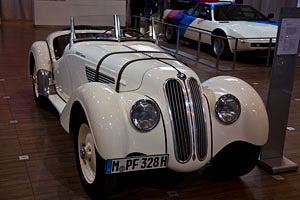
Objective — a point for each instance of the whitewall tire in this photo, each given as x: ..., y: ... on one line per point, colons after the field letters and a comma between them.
x: 91, y: 166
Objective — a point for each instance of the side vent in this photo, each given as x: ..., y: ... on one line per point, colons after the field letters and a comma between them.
x: 102, y: 78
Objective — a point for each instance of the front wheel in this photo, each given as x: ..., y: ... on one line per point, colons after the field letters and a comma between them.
x: 220, y: 46
x: 236, y: 159
x: 90, y: 164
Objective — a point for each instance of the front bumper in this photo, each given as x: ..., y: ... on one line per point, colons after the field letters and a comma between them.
x: 252, y: 44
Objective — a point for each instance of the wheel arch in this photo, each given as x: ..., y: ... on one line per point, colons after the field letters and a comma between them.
x: 93, y: 100
x: 75, y: 110
x: 39, y: 60
x: 219, y: 32
x: 108, y: 115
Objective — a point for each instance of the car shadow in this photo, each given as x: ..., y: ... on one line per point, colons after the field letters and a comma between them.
x: 166, y: 184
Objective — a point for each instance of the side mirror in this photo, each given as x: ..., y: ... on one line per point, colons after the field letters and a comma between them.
x: 270, y: 15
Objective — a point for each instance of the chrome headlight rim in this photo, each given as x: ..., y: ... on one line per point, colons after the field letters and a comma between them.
x: 135, y: 107
x: 220, y: 103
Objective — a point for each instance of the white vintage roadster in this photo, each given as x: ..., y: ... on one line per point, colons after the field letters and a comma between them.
x: 131, y: 106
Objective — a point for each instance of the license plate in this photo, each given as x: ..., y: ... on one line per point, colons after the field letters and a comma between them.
x: 136, y: 164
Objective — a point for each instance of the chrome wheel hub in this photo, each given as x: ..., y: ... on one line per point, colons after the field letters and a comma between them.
x: 82, y: 152
x: 218, y: 46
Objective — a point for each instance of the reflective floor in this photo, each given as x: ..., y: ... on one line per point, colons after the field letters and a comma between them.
x: 47, y: 170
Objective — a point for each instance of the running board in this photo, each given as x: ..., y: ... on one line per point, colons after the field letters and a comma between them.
x: 57, y: 102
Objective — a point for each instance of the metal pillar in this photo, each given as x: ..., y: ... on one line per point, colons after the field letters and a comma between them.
x: 279, y: 98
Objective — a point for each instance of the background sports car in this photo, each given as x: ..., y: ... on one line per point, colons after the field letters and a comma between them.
x: 131, y: 106
x: 224, y: 19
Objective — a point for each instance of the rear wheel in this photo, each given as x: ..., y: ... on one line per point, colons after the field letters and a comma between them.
x: 236, y: 159
x: 170, y: 33
x: 90, y: 164
x: 40, y: 100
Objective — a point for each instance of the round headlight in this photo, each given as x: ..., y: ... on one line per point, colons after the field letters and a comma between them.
x: 228, y: 108
x: 144, y: 115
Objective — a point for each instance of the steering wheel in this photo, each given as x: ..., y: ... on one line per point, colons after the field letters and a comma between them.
x: 109, y: 29
x: 104, y: 34
x: 135, y: 33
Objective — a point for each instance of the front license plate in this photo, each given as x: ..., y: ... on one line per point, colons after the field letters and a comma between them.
x: 136, y: 164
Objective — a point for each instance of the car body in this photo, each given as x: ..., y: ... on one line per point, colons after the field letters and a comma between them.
x: 227, y: 20
x: 127, y: 102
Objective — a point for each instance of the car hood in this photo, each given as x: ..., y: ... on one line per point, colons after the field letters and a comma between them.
x: 133, y: 74
x: 250, y: 29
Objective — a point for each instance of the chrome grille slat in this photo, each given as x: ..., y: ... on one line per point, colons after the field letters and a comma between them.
x: 199, y: 120
x: 178, y: 113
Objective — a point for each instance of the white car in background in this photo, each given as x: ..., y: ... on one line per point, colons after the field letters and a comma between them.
x: 221, y: 24
x: 131, y: 106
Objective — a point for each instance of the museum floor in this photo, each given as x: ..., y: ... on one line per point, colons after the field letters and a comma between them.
x: 50, y: 171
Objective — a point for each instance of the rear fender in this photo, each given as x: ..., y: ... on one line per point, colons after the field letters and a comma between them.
x: 39, y: 55
x: 252, y: 125
x: 39, y: 59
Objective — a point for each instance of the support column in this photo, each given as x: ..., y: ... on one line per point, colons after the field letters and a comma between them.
x: 280, y: 91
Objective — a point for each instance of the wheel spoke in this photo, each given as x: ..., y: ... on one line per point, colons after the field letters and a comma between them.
x: 89, y: 155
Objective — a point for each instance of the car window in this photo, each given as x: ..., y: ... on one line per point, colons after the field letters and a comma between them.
x: 190, y: 11
x: 203, y: 11
x: 237, y: 13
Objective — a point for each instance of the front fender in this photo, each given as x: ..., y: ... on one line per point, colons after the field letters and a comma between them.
x: 108, y: 114
x: 232, y: 35
x: 252, y: 125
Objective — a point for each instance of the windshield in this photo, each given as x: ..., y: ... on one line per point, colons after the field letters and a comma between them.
x: 97, y: 28
x: 237, y: 13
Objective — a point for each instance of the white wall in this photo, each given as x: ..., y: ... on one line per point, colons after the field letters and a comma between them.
x: 271, y: 6
x: 58, y: 12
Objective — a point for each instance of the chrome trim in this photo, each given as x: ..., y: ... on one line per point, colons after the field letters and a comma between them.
x: 203, y: 130
x: 44, y: 80
x: 72, y: 33
x: 163, y: 123
x: 191, y: 114
x: 102, y: 78
x: 221, y: 100
x: 184, y: 92
x: 150, y: 101
x: 117, y: 27
x: 153, y: 29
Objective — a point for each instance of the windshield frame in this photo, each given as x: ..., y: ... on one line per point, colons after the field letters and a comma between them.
x: 113, y: 33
